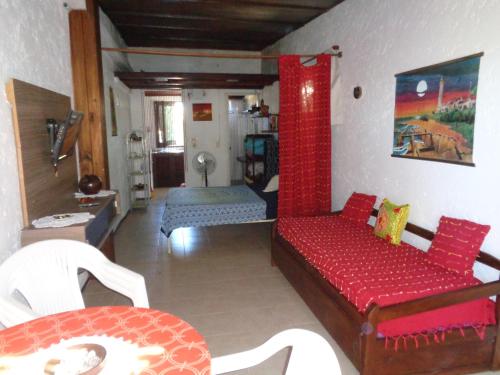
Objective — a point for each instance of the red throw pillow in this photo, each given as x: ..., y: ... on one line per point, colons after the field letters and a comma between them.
x: 456, y: 244
x: 359, y: 207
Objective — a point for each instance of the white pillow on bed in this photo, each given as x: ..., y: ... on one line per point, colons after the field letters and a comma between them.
x: 273, y: 184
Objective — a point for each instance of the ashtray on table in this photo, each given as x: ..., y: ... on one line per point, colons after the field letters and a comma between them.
x: 81, y: 359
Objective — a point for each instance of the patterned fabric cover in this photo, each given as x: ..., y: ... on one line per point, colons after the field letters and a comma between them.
x: 359, y: 207
x: 457, y: 244
x: 305, y: 151
x: 195, y: 207
x: 367, y: 269
x: 186, y: 352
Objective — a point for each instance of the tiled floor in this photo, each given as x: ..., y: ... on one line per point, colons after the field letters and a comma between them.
x: 219, y: 279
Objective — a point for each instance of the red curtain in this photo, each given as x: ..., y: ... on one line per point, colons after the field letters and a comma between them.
x: 304, y: 137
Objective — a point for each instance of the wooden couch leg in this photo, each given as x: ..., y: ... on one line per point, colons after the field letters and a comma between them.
x: 369, y: 342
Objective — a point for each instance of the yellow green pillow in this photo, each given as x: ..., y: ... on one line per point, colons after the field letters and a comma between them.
x: 391, y: 221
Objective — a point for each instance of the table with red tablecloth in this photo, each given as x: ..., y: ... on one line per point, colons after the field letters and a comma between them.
x: 184, y: 349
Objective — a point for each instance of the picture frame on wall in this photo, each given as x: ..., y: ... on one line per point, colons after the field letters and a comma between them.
x: 202, y: 111
x: 434, y: 116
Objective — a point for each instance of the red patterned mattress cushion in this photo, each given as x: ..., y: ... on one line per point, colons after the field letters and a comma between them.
x: 359, y: 207
x: 456, y: 244
x: 367, y: 269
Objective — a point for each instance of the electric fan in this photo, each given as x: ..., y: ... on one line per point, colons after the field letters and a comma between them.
x: 204, y: 163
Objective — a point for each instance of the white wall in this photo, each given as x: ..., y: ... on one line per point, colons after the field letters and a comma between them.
x: 212, y: 136
x: 137, y: 110
x: 34, y: 48
x: 271, y: 96
x: 117, y: 150
x: 380, y: 39
x: 151, y: 63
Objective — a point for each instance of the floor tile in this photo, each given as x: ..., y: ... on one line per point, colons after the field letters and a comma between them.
x: 219, y: 279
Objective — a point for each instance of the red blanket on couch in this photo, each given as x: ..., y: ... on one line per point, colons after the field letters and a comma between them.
x: 367, y: 269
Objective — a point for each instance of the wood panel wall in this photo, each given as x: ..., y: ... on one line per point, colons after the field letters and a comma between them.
x: 42, y: 192
x: 88, y: 90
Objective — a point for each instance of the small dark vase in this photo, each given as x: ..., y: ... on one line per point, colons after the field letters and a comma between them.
x: 90, y: 184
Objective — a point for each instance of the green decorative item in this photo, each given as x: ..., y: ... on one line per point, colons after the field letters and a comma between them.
x: 391, y: 221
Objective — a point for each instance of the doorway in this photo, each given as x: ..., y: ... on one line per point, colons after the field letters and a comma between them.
x: 167, y: 115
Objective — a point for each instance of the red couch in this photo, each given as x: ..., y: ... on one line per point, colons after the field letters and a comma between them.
x: 374, y: 297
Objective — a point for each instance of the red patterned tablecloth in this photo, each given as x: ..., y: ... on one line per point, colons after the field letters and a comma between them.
x: 185, y: 353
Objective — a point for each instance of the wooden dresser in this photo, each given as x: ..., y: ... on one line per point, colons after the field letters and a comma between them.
x: 97, y: 232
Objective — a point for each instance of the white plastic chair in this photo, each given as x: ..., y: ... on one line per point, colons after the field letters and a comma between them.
x: 311, y: 354
x: 46, y: 275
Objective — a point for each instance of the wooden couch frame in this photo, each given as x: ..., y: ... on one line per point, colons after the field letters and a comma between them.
x: 355, y: 332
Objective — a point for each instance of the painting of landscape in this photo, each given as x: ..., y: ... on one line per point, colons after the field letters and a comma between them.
x: 202, y: 112
x: 435, y: 112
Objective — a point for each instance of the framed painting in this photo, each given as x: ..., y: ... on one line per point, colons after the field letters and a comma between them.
x: 202, y: 112
x: 435, y: 112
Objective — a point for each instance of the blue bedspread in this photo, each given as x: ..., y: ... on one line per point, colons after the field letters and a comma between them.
x: 195, y: 207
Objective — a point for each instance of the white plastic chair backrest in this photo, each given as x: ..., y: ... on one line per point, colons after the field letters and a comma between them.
x: 46, y: 274
x: 311, y: 354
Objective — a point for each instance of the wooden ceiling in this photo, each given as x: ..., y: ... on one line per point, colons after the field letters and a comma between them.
x: 210, y: 24
x: 169, y: 81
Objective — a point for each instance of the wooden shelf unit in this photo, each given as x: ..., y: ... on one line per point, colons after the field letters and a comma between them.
x: 138, y: 170
x: 256, y: 166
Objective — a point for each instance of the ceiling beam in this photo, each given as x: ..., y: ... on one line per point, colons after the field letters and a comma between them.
x: 169, y: 80
x: 194, y: 83
x: 131, y: 32
x: 211, y: 24
x: 196, y: 86
x: 316, y: 4
x: 155, y: 20
x: 193, y: 43
x: 206, y: 76
x: 217, y: 9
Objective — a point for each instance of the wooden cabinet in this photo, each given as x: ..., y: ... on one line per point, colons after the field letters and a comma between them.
x: 168, y: 169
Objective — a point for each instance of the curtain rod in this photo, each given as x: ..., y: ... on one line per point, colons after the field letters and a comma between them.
x: 136, y: 51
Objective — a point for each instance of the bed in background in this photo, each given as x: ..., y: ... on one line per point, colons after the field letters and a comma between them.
x: 196, y: 207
